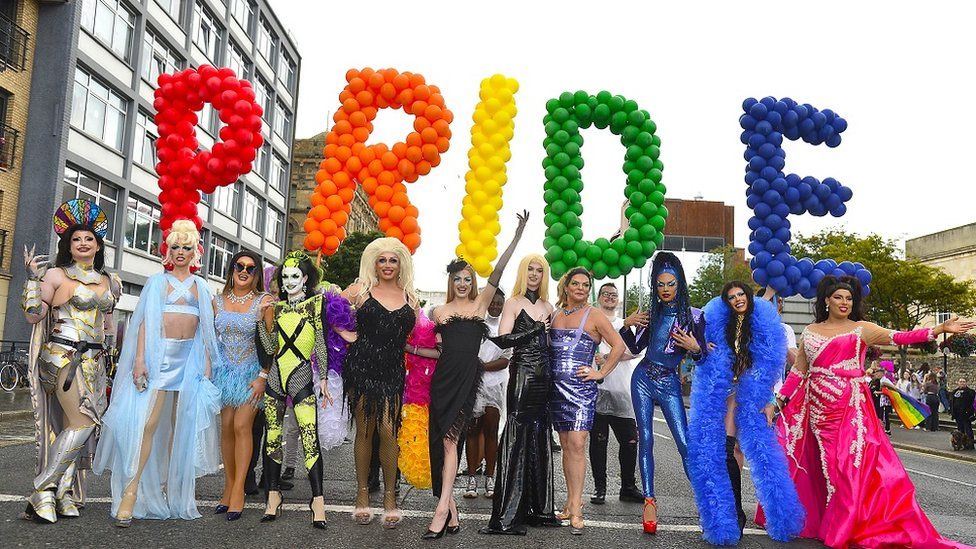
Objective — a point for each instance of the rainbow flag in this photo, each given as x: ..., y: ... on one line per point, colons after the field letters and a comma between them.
x: 910, y: 411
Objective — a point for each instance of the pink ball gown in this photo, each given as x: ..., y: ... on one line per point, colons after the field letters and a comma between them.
x: 849, y: 478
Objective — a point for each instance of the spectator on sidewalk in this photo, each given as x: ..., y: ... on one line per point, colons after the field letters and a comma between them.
x: 909, y: 386
x: 943, y: 380
x: 931, y: 392
x: 962, y: 409
x: 882, y: 405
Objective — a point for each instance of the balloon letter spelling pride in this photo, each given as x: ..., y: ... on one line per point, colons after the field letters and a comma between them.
x: 493, y: 128
x: 381, y: 170
x: 773, y: 195
x: 184, y: 171
x: 565, y: 247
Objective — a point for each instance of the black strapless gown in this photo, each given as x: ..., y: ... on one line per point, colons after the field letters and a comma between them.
x: 524, y: 475
x: 454, y: 386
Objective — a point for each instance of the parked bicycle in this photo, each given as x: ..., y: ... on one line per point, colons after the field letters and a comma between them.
x: 13, y: 369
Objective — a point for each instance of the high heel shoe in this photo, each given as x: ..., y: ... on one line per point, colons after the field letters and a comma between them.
x: 430, y: 534
x: 650, y: 526
x: 221, y: 509
x: 573, y: 529
x: 277, y: 513
x: 125, y: 520
x: 234, y: 515
x: 457, y: 527
x: 320, y: 524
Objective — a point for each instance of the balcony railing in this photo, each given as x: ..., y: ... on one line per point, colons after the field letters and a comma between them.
x: 8, y: 146
x: 13, y: 45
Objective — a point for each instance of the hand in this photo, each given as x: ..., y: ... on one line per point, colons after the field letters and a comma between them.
x: 257, y: 390
x: 36, y: 264
x: 523, y: 218
x: 711, y: 346
x: 600, y: 358
x: 586, y: 373
x: 265, y: 305
x: 139, y: 370
x: 770, y: 411
x: 637, y: 318
x: 685, y: 340
x: 955, y: 326
x: 326, y: 396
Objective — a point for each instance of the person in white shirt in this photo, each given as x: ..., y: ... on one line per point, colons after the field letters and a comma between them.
x: 614, y: 410
x: 482, y: 436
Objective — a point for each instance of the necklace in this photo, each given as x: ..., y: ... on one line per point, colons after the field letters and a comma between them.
x: 239, y: 300
x: 86, y: 274
x: 568, y: 312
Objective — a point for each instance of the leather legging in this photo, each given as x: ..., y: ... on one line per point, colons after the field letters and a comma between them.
x: 653, y: 384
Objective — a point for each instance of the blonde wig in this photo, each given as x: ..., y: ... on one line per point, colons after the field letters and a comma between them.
x: 455, y: 267
x: 183, y: 233
x: 521, y: 278
x: 562, y: 296
x: 367, y: 267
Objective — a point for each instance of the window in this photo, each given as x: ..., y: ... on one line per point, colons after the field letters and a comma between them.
x: 111, y: 23
x: 237, y: 61
x: 144, y: 151
x: 252, y: 215
x: 225, y: 199
x: 208, y: 119
x: 942, y: 316
x: 243, y: 13
x: 262, y: 160
x: 262, y: 95
x: 158, y: 58
x: 142, y: 226
x: 174, y: 8
x: 286, y: 70
x: 78, y: 184
x: 266, y: 40
x: 272, y: 230
x: 97, y: 109
x: 207, y: 33
x: 282, y: 121
x: 279, y: 174
x: 221, y: 251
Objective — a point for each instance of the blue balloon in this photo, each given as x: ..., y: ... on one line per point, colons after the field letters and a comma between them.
x: 792, y: 197
x: 847, y: 267
x: 782, y: 210
x: 755, y: 223
x: 772, y: 221
x: 864, y: 276
x: 760, y: 276
x: 763, y: 258
x: 783, y: 233
x: 763, y: 234
x: 774, y: 246
x: 753, y: 200
x: 802, y: 286
x: 775, y: 268
x: 805, y: 265
x: 825, y: 265
x: 762, y: 210
x: 777, y: 162
x: 865, y: 291
x: 768, y: 173
x: 772, y: 197
x: 764, y: 127
x: 839, y: 211
x: 793, y: 274
x: 780, y: 284
x: 845, y: 193
x: 758, y: 111
x: 748, y: 103
x: 809, y: 293
x: 759, y: 186
x: 815, y: 277
x: 774, y: 118
x: 838, y: 272
x: 755, y: 247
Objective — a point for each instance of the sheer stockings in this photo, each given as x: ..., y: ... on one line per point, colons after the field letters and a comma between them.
x: 389, y: 451
x: 131, y: 491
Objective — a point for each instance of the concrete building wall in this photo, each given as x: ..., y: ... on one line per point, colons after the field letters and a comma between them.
x: 952, y: 250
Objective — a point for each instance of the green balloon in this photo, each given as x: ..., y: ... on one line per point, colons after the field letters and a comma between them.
x: 571, y: 220
x: 646, y: 186
x: 644, y: 164
x: 577, y: 161
x: 633, y: 153
x: 613, y: 271
x: 580, y: 97
x: 630, y: 105
x: 661, y: 188
x: 625, y: 263
x: 663, y: 212
x: 657, y: 198
x: 547, y: 209
x: 602, y: 243
x: 553, y: 149
x: 581, y: 248
x: 616, y: 104
x: 594, y: 253
x: 629, y: 211
x: 653, y: 151
x: 576, y: 185
x: 546, y: 162
x: 628, y: 191
x: 569, y: 196
x: 576, y: 208
x: 599, y: 270
x: 566, y: 99
x: 571, y: 172
x: 629, y: 135
x: 618, y: 121
x: 559, y: 183
x: 566, y: 241
x: 649, y: 209
x: 561, y: 137
x: 659, y: 239
x: 571, y: 126
x: 560, y: 115
x: 647, y: 232
x: 649, y: 126
x: 549, y: 196
x: 584, y: 114
x: 634, y: 249
x: 601, y: 114
x: 637, y: 198
x: 634, y: 176
x: 561, y: 160
x: 550, y: 218
x: 603, y: 96
x: 643, y: 139
x: 619, y: 245
x: 553, y: 254
x: 656, y: 141
x: 635, y: 118
x: 655, y: 175
x: 551, y: 172
x: 556, y: 230
x: 558, y: 268
x: 648, y: 248
x: 577, y: 138
x: 552, y: 105
x: 639, y: 261
x: 576, y: 232
x: 657, y: 222
x: 552, y: 127
x: 631, y: 234
x: 570, y: 257
x: 585, y: 263
x: 637, y: 220
x: 610, y: 256
x: 548, y: 242
x: 658, y: 164
x: 572, y: 149
x: 558, y: 207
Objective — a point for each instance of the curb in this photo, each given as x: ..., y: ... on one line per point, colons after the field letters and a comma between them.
x: 16, y: 414
x: 947, y: 454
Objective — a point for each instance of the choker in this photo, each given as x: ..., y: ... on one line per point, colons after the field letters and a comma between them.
x: 532, y: 296
x: 299, y: 299
x: 86, y: 274
x: 568, y: 312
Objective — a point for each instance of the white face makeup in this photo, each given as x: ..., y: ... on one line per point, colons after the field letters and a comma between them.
x: 462, y: 282
x: 293, y: 282
x: 83, y: 246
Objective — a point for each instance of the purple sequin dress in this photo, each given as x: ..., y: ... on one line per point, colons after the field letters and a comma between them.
x: 573, y: 401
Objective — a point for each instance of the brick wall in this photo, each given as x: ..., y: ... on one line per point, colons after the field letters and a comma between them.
x: 960, y: 367
x: 17, y: 84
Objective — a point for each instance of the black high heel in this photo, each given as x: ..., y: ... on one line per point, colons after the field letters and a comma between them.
x: 234, y: 515
x: 221, y: 509
x: 456, y: 528
x: 430, y: 534
x: 277, y: 513
x: 320, y: 524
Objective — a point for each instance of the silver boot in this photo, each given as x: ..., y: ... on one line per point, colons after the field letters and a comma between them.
x: 61, y: 457
x: 65, y: 496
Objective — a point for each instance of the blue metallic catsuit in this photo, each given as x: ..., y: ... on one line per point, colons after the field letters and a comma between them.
x: 656, y: 381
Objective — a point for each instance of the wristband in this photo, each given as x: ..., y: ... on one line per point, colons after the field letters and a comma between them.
x: 263, y: 374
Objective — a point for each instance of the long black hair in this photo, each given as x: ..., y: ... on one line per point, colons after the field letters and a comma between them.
x: 64, y: 258
x: 668, y: 261
x: 830, y: 284
x: 743, y: 358
x: 303, y: 262
x: 258, y: 274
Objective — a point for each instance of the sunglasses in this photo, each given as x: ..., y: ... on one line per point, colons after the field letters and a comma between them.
x: 184, y: 248
x: 240, y: 267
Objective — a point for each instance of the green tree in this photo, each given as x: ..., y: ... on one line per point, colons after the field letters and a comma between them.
x: 342, y: 268
x: 719, y: 267
x: 904, y: 292
x: 637, y: 295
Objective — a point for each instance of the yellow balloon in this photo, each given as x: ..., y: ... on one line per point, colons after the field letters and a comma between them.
x: 468, y: 211
x: 474, y: 247
x: 493, y: 225
x: 475, y: 222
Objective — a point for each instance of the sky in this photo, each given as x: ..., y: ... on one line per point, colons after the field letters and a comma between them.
x: 900, y: 73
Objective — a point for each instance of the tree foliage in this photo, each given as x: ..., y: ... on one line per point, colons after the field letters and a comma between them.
x: 717, y: 269
x: 637, y: 296
x: 342, y: 268
x: 904, y: 292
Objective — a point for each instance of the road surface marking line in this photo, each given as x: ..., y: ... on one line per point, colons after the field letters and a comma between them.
x: 924, y: 474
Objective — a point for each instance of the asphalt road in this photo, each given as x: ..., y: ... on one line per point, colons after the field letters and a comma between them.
x: 945, y: 490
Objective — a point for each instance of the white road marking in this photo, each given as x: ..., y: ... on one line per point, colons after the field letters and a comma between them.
x: 924, y: 474
x: 10, y: 498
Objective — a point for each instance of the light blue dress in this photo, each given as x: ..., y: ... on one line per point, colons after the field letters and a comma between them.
x: 182, y: 450
x: 236, y: 342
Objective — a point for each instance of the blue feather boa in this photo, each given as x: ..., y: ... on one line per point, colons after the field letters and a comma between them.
x: 706, y: 429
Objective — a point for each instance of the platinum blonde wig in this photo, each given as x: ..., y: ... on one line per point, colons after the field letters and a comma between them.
x: 367, y: 267
x: 183, y: 233
x: 521, y: 278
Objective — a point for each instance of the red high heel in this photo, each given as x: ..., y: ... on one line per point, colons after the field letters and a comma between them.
x: 650, y: 526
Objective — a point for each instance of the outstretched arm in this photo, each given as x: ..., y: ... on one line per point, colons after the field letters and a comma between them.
x: 872, y: 334
x: 484, y: 298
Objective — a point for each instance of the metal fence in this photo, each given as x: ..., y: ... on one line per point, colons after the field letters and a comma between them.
x: 8, y: 146
x: 13, y: 45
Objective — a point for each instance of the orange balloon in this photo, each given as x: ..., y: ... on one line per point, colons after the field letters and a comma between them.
x: 409, y: 225
x: 400, y: 199
x: 333, y: 202
x: 386, y: 178
x: 347, y: 139
x: 332, y: 138
x: 442, y: 128
x: 317, y: 200
x: 415, y: 79
x: 350, y: 74
x: 310, y: 225
x: 401, y: 81
x: 405, y: 97
x: 340, y: 217
x: 314, y: 240
x: 420, y: 124
x: 346, y: 94
x: 356, y: 85
x: 346, y: 194
x: 354, y: 165
x: 422, y: 92
x: 389, y: 160
x: 442, y: 144
x: 423, y: 167
x: 406, y: 168
x: 399, y: 149
x: 415, y: 154
x: 384, y: 193
x: 413, y: 140
x: 341, y: 179
x: 342, y: 154
x: 367, y: 155
x: 432, y: 112
x: 388, y: 91
x: 319, y: 212
x: 341, y: 233
x: 382, y: 208
x: 369, y: 185
x: 327, y: 188
x: 376, y: 80
x: 342, y: 126
x: 364, y: 98
x: 327, y: 227
x: 385, y: 224
x: 412, y: 211
x: 412, y: 241
x: 358, y: 119
x: 395, y: 232
x: 330, y: 149
x: 396, y: 214
x: 340, y: 115
x: 375, y: 167
x: 430, y: 152
x: 429, y: 135
x: 332, y: 242
x: 332, y: 165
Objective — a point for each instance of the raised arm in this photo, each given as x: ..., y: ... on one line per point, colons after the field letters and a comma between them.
x: 872, y: 334
x: 39, y: 287
x: 636, y: 343
x: 485, y: 297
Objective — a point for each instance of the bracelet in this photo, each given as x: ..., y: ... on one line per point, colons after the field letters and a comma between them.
x: 263, y: 374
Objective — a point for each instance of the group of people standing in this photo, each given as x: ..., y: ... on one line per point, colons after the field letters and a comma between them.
x: 820, y: 468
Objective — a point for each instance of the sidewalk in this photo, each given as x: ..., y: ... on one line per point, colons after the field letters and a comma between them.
x: 15, y: 404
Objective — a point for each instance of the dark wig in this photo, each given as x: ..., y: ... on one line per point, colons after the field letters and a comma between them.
x: 830, y: 284
x: 64, y: 258
x: 303, y: 262
x: 668, y: 261
x: 743, y: 358
x: 258, y: 273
